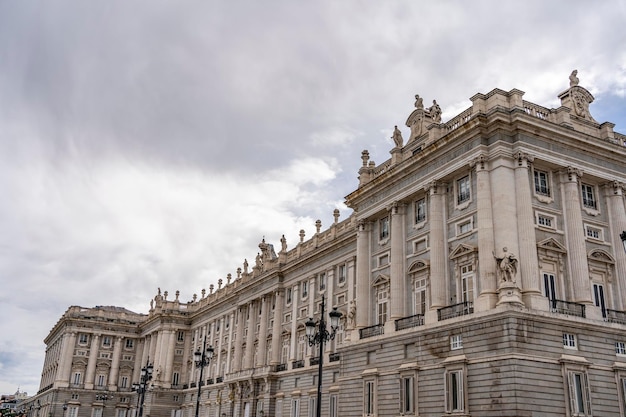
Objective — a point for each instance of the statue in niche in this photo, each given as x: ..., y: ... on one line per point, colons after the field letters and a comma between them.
x: 397, y: 137
x: 507, y: 265
x: 352, y: 313
x: 573, y: 79
x: 435, y: 112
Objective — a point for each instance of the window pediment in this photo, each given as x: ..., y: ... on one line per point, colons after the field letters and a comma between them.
x: 381, y: 280
x: 462, y: 249
x: 551, y: 244
x: 419, y: 266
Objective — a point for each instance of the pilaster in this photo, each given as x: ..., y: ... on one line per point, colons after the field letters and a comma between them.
x: 398, y: 276
x: 363, y: 274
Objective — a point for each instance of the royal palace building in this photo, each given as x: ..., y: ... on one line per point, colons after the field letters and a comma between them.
x: 482, y: 272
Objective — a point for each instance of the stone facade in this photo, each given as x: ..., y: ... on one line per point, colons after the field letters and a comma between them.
x: 481, y: 273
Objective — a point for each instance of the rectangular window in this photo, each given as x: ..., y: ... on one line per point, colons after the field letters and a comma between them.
x: 456, y: 342
x: 467, y: 283
x: 295, y: 407
x: 279, y: 407
x: 321, y: 278
x: 407, y: 401
x: 76, y: 379
x: 341, y: 272
x: 72, y: 411
x: 541, y: 183
x: 549, y: 286
x: 288, y: 295
x: 620, y: 348
x: 312, y: 407
x: 130, y: 343
x: 382, y: 298
x: 384, y: 228
x: 83, y: 339
x: 598, y: 298
x: 106, y: 341
x: 464, y: 227
x: 305, y: 288
x: 97, y: 412
x: 545, y: 220
x: 593, y: 232
x: 420, y: 210
x: 120, y: 412
x: 383, y: 260
x: 569, y: 340
x: 580, y: 399
x: 368, y: 398
x: 454, y: 391
x: 463, y: 189
x: 180, y: 336
x: 100, y: 380
x: 124, y: 382
x: 332, y: 412
x: 420, y: 245
x: 420, y: 296
x: 175, y: 378
x: 589, y: 199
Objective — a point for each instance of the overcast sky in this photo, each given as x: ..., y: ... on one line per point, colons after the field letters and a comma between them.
x: 154, y: 143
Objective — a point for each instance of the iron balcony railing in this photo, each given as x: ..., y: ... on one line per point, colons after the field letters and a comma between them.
x: 280, y: 367
x: 371, y: 331
x: 297, y: 364
x: 615, y: 316
x: 334, y: 357
x: 567, y: 307
x: 456, y: 310
x: 408, y: 322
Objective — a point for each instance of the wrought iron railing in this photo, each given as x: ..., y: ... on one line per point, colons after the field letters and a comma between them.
x: 455, y: 310
x: 280, y: 367
x: 408, y: 322
x: 334, y: 357
x: 297, y: 364
x: 567, y: 307
x: 219, y: 379
x: 615, y: 316
x: 371, y: 331
x: 314, y: 361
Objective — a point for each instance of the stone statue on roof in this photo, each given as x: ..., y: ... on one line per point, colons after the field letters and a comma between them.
x: 573, y: 79
x: 435, y: 112
x: 397, y: 137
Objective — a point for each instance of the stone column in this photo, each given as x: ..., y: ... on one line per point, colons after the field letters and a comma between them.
x: 262, y: 355
x: 115, y: 364
x: 398, y: 275
x: 249, y: 354
x: 140, y: 358
x: 528, y: 258
x: 617, y: 221
x: 294, y: 323
x: 277, y: 327
x: 241, y: 322
x: 575, y: 237
x: 91, y: 364
x: 438, y: 255
x: 169, y: 357
x: 229, y: 357
x: 363, y: 286
x: 487, y: 282
x: 67, y: 354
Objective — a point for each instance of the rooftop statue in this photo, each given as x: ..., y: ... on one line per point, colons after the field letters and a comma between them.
x: 397, y: 137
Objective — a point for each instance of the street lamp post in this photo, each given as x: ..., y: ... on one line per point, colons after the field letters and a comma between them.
x: 142, y: 386
x: 318, y: 338
x: 202, y: 358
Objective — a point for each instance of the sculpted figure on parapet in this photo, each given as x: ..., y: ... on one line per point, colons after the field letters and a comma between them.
x: 573, y: 79
x: 397, y: 137
x: 435, y: 112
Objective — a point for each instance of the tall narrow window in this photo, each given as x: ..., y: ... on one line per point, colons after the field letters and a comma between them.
x: 312, y: 407
x: 541, y: 183
x: 175, y: 378
x: 368, y: 398
x: 589, y: 199
x: 76, y: 380
x: 305, y: 288
x: 454, y: 391
x: 580, y: 399
x: 382, y: 297
x: 129, y: 343
x: 97, y: 412
x: 295, y: 407
x: 72, y: 411
x: 124, y: 382
x: 420, y: 296
x: 322, y: 281
x: 467, y: 283
x: 100, y: 380
x: 384, y: 228
x: 407, y: 401
x: 598, y: 298
x: 341, y: 272
x: 420, y: 210
x: 333, y: 406
x: 463, y: 189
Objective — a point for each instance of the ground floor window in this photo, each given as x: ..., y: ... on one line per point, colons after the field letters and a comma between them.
x: 580, y: 400
x: 454, y: 391
x: 369, y: 400
x: 407, y: 395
